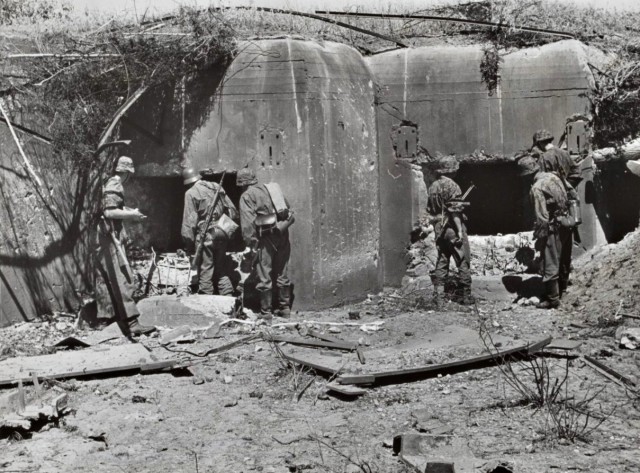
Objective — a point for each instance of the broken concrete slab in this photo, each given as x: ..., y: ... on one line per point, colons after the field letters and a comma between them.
x: 47, y: 406
x: 439, y: 451
x: 198, y: 310
x: 72, y: 364
x: 346, y: 389
x: 178, y: 335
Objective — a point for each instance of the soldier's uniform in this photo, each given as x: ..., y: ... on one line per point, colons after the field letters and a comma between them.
x: 273, y: 247
x: 214, y: 265
x: 550, y: 202
x: 450, y: 245
x: 111, y: 263
x: 560, y: 163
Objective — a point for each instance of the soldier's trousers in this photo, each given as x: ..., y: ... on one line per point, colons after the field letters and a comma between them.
x: 556, y: 256
x: 274, y: 251
x: 461, y: 256
x: 214, y: 267
x: 114, y: 277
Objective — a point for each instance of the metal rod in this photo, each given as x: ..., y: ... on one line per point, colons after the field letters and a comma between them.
x: 385, y: 16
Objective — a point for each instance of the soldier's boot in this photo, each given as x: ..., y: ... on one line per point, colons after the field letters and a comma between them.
x: 467, y: 298
x: 552, y: 300
x: 265, y: 305
x: 284, y: 302
x: 136, y: 328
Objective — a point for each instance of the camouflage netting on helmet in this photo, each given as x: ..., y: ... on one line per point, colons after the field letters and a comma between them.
x: 448, y: 164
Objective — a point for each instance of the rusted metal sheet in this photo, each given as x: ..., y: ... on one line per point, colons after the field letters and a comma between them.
x: 439, y: 91
x: 302, y: 114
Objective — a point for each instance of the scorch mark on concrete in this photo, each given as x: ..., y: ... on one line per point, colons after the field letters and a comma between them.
x: 295, y: 93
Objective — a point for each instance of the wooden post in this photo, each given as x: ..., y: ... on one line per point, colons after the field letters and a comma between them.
x: 24, y: 156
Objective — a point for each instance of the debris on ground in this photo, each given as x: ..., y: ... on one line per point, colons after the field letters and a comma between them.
x: 605, y: 281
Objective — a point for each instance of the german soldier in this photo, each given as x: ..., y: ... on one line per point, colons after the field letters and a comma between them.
x: 450, y: 230
x: 112, y: 263
x: 560, y: 163
x: 199, y: 200
x: 265, y: 218
x: 552, y: 230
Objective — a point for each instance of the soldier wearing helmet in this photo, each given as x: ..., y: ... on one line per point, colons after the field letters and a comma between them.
x: 450, y: 230
x: 555, y: 160
x: 265, y: 217
x: 112, y: 263
x: 213, y: 268
x: 550, y: 201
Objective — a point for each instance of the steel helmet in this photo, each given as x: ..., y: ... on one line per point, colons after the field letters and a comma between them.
x: 448, y: 164
x: 541, y: 136
x: 189, y: 176
x: 125, y: 164
x: 246, y: 177
x: 527, y: 165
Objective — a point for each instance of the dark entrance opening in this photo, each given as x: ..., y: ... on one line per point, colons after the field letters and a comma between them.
x: 615, y: 194
x: 499, y: 202
x: 161, y: 199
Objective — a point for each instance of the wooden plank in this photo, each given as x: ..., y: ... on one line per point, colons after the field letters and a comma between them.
x: 79, y: 363
x: 313, y: 343
x: 609, y: 372
x: 329, y: 338
x: 564, y: 344
x: 311, y: 364
x: 430, y: 371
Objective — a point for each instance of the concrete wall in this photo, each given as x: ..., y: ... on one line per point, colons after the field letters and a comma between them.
x: 43, y: 235
x: 302, y: 114
x: 439, y: 91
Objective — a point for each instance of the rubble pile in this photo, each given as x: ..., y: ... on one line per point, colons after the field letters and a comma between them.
x: 34, y: 338
x: 605, y: 281
x: 491, y: 255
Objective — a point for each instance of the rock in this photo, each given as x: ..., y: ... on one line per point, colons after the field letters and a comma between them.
x: 354, y: 315
x: 629, y: 337
x: 230, y: 402
x: 180, y: 334
x: 198, y: 380
x: 61, y: 326
x: 334, y: 329
x: 227, y: 379
x: 213, y: 331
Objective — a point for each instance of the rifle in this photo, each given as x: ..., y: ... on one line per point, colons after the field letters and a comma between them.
x: 460, y: 201
x: 122, y: 257
x: 197, y: 258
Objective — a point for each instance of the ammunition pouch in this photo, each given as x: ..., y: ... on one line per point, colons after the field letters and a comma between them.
x: 266, y: 224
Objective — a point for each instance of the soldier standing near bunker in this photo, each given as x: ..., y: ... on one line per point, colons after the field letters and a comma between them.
x: 207, y: 205
x: 265, y: 217
x: 555, y: 160
x: 112, y: 263
x: 552, y: 230
x: 560, y: 163
x: 450, y: 231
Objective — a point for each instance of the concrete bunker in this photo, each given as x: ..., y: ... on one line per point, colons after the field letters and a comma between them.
x: 440, y: 93
x: 302, y: 114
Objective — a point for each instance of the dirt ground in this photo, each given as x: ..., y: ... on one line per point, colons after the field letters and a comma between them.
x: 251, y: 414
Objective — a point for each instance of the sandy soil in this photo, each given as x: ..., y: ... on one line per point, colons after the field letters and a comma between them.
x: 246, y: 415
